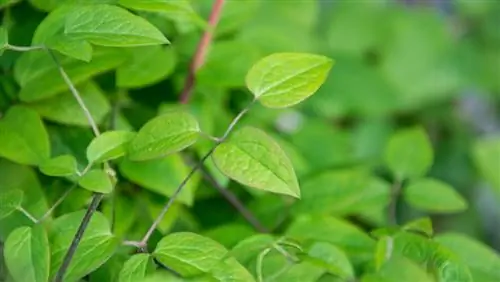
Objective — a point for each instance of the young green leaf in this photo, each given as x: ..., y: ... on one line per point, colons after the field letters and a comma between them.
x: 383, y: 251
x: 330, y: 257
x: 108, y: 146
x: 72, y: 47
x: 164, y: 135
x: 189, y: 254
x: 147, y: 65
x: 64, y: 108
x: 23, y: 137
x: 10, y: 201
x: 97, y: 245
x: 483, y: 261
x: 136, y: 268
x: 408, y: 153
x: 27, y: 254
x: 63, y: 165
x: 434, y: 196
x: 285, y: 79
x: 486, y: 155
x: 108, y: 25
x: 254, y: 159
x: 96, y: 180
x: 399, y: 269
x: 423, y: 225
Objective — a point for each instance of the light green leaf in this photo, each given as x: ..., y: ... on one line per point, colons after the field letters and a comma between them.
x: 147, y: 65
x: 63, y: 165
x: 486, y: 155
x: 10, y: 201
x: 27, y: 254
x: 229, y: 234
x: 399, y: 269
x: 423, y: 225
x: 108, y: 146
x: 96, y: 246
x: 164, y: 135
x: 250, y: 248
x: 483, y: 261
x: 151, y: 175
x: 112, y: 26
x: 408, y: 153
x: 330, y: 257
x: 303, y: 271
x: 96, y: 180
x: 179, y: 9
x: 23, y: 137
x: 383, y: 251
x: 4, y: 39
x: 285, y: 79
x: 229, y: 270
x: 65, y: 109
x: 189, y: 254
x: 434, y: 196
x: 50, y: 32
x: 39, y: 76
x: 135, y: 268
x: 254, y: 159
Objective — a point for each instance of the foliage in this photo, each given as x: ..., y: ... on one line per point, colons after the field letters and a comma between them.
x: 310, y: 141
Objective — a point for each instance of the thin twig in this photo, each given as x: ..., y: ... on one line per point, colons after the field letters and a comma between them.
x: 23, y: 48
x: 234, y: 201
x: 96, y: 199
x: 57, y: 203
x: 392, y: 210
x: 201, y: 51
x: 27, y: 214
x: 76, y: 94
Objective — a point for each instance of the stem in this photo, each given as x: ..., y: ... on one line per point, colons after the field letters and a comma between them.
x: 395, y: 191
x: 76, y: 94
x: 23, y: 48
x: 233, y: 200
x: 27, y: 214
x: 260, y: 260
x: 96, y: 199
x: 201, y: 51
x: 199, y: 165
x: 57, y: 203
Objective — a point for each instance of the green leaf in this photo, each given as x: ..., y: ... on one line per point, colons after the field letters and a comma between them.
x: 164, y: 135
x: 147, y: 65
x: 65, y: 109
x: 71, y: 47
x: 229, y: 270
x: 96, y: 180
x: 63, y: 165
x: 179, y: 9
x: 254, y: 159
x: 399, y: 269
x: 189, y: 254
x: 383, y: 251
x: 4, y: 39
x: 408, y: 153
x: 151, y: 175
x: 96, y: 246
x: 40, y: 79
x: 23, y: 137
x: 330, y: 257
x: 108, y: 146
x: 112, y: 26
x: 250, y: 248
x: 486, y: 156
x: 135, y: 268
x: 434, y: 196
x: 483, y: 261
x: 423, y: 225
x: 10, y: 201
x: 285, y: 79
x: 27, y: 254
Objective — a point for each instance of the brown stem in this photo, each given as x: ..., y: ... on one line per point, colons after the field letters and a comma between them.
x: 201, y: 51
x: 392, y: 211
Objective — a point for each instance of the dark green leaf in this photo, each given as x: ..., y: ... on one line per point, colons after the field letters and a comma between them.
x: 147, y: 65
x: 164, y: 135
x: 23, y: 137
x: 95, y: 248
x: 96, y: 180
x: 285, y: 79
x: 254, y: 159
x: 27, y: 254
x: 4, y: 38
x: 434, y: 196
x: 136, y: 268
x: 10, y: 201
x: 113, y: 26
x: 63, y: 165
x: 108, y: 146
x: 409, y: 153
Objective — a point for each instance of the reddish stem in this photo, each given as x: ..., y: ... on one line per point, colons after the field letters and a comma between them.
x: 201, y: 51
